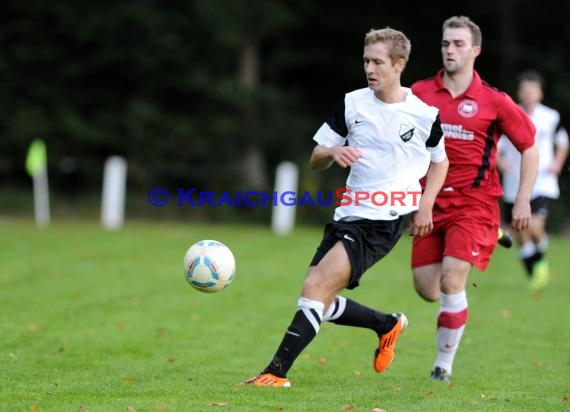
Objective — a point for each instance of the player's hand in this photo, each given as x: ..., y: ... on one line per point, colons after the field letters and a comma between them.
x: 421, y: 223
x: 345, y: 156
x: 521, y: 215
x: 554, y: 169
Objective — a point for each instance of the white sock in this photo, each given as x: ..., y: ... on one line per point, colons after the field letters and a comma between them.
x: 527, y: 249
x: 451, y: 320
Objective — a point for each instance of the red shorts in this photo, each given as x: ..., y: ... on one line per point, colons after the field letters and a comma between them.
x: 464, y: 227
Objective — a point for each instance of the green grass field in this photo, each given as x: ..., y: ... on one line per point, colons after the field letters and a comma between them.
x: 104, y: 321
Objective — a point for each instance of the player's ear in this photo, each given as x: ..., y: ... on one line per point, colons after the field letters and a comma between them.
x: 400, y: 65
x: 477, y: 50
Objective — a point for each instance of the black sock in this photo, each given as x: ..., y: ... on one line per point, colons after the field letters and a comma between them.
x: 528, y: 265
x: 532, y: 260
x: 299, y: 334
x: 361, y: 316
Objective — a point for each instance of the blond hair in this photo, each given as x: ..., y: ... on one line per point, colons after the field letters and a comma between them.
x: 400, y: 45
x: 457, y: 22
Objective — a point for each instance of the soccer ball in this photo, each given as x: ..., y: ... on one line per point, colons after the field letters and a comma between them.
x: 209, y: 266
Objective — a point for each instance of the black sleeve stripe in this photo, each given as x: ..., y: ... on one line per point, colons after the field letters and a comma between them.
x: 435, y: 134
x: 485, y: 160
x: 337, y: 121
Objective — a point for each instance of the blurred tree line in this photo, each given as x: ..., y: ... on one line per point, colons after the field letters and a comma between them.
x: 214, y: 94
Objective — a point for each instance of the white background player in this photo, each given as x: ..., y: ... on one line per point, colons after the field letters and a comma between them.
x: 551, y: 141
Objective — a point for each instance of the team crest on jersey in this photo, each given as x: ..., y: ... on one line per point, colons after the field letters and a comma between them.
x: 406, y: 132
x: 467, y: 108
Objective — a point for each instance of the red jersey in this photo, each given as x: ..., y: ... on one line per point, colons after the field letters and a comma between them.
x: 472, y: 124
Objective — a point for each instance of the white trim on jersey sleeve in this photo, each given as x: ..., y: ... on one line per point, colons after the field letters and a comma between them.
x: 327, y: 137
x: 437, y: 153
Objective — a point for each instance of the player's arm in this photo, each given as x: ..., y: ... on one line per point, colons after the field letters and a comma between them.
x: 323, y: 157
x: 331, y: 141
x: 421, y: 222
x: 561, y: 152
x: 529, y: 169
x: 520, y: 130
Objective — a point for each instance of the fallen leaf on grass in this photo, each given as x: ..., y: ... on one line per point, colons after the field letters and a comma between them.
x: 565, y: 399
x: 128, y: 381
x: 377, y: 410
x: 506, y: 313
x: 35, y: 408
x: 537, y: 363
x: 347, y: 407
x: 34, y: 327
x: 322, y: 361
x: 131, y: 409
x: 218, y: 404
x: 429, y: 393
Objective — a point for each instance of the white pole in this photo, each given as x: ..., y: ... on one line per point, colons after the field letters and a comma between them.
x: 114, y: 187
x: 41, y: 197
x: 286, y: 180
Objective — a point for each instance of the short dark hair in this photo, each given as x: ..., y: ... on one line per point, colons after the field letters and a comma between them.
x: 531, y: 76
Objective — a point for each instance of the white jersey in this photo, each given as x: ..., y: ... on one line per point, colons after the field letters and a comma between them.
x: 397, y: 141
x: 548, y: 135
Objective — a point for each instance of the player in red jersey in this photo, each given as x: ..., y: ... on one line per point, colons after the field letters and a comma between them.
x: 466, y: 212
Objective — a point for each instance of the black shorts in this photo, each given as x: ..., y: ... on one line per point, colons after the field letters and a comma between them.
x: 366, y: 242
x: 538, y: 206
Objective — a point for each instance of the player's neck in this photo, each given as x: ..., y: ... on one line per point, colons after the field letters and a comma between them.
x: 396, y: 94
x: 529, y: 108
x: 457, y: 82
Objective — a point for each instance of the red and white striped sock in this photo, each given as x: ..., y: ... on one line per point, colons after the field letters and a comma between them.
x: 451, y: 321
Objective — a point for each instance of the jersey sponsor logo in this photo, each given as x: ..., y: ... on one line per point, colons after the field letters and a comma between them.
x: 406, y: 132
x: 456, y: 131
x: 348, y: 238
x: 467, y: 108
x: 358, y: 121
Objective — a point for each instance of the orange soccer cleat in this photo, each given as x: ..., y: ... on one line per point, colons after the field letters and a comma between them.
x: 268, y: 379
x: 384, y: 354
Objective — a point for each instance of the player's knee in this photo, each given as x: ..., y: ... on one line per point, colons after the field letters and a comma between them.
x: 311, y: 283
x: 452, y: 283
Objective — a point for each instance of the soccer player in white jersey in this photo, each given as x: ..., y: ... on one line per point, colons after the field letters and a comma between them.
x: 552, y: 143
x: 389, y: 139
